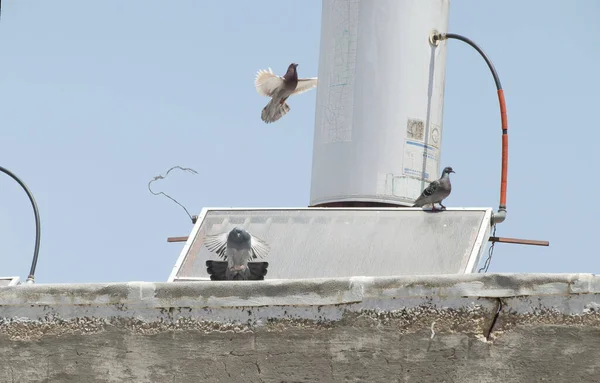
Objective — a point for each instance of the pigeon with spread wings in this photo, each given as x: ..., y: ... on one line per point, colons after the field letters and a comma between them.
x: 237, y: 248
x: 279, y: 89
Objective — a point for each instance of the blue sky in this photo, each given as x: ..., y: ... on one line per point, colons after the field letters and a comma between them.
x: 97, y: 97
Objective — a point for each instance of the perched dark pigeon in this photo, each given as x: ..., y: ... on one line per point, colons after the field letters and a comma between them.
x: 237, y: 248
x: 437, y: 191
x: 279, y: 89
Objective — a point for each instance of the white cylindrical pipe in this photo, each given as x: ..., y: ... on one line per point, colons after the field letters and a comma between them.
x: 378, y: 125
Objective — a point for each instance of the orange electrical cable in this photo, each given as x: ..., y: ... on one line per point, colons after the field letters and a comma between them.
x: 504, y: 177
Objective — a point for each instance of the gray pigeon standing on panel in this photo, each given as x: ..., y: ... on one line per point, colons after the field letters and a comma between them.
x: 237, y: 247
x: 437, y: 191
x: 279, y: 89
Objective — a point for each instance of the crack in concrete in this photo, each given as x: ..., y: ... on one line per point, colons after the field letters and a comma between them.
x: 331, y: 367
x: 494, y: 319
x: 259, y: 371
x: 225, y: 366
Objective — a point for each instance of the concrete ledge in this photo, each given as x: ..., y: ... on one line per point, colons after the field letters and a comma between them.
x: 273, y: 325
x: 329, y: 298
x: 300, y: 292
x: 306, y: 291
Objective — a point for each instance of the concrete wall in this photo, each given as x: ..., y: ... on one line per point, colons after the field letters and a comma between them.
x: 467, y: 328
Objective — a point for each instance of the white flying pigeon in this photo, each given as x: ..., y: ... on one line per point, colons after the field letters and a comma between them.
x: 437, y: 191
x: 279, y: 89
x: 237, y: 248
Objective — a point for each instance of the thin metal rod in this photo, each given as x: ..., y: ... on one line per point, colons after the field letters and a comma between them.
x: 519, y: 241
x: 38, y: 230
x: 177, y: 239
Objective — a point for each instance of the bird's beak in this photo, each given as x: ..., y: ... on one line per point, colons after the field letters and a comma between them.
x: 452, y: 171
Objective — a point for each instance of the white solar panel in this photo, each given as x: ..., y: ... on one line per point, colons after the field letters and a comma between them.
x: 345, y: 242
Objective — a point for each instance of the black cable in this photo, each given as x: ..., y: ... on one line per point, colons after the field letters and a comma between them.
x: 36, y: 213
x: 476, y: 47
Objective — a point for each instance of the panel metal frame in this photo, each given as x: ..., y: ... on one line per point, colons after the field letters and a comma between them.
x: 474, y: 258
x: 14, y: 281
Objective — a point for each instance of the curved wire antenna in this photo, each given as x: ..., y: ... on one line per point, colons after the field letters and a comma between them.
x: 36, y: 213
x: 160, y: 177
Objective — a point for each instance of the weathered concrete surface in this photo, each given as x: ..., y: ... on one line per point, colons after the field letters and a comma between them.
x: 405, y: 329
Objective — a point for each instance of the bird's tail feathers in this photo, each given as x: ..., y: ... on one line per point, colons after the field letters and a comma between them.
x: 217, y: 270
x: 273, y: 111
x: 258, y: 270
